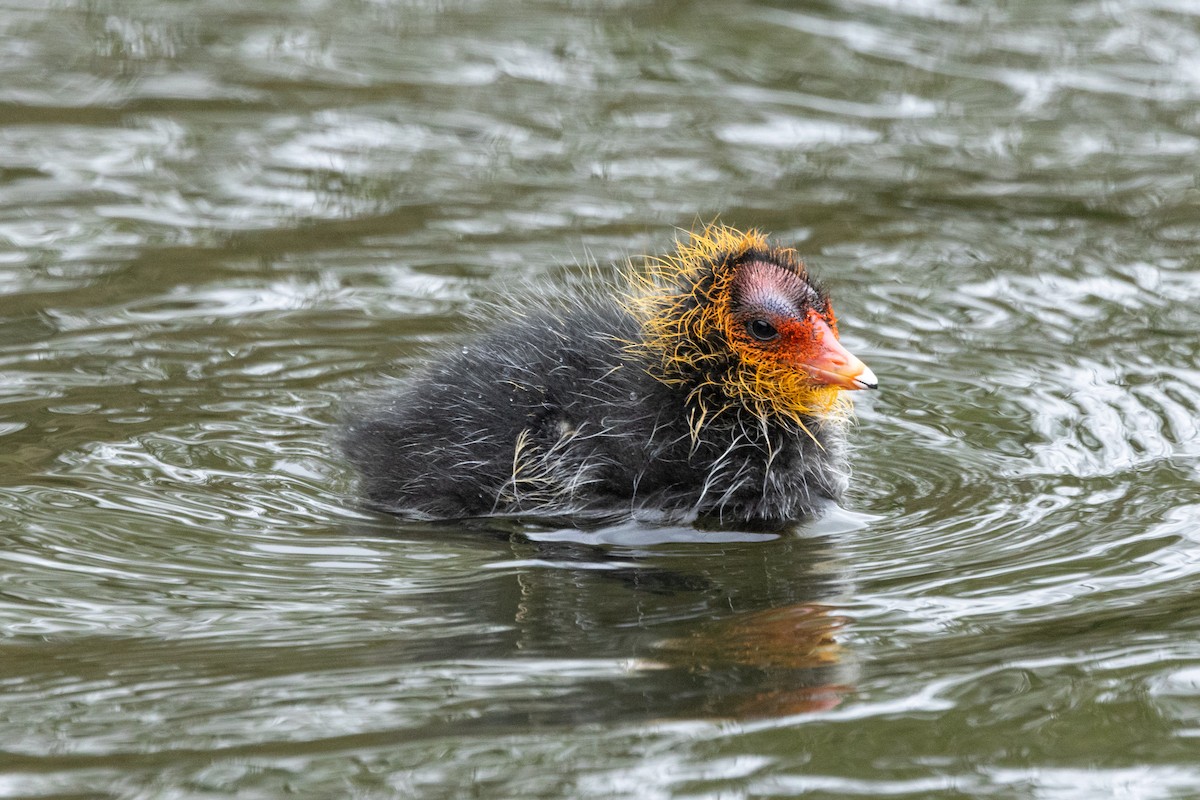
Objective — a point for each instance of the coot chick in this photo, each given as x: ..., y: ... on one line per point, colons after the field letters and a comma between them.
x: 709, y: 387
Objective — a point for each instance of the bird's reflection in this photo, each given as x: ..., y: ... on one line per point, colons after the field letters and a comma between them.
x: 730, y: 626
x: 793, y: 648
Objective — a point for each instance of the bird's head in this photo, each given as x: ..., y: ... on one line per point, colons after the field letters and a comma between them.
x: 741, y: 324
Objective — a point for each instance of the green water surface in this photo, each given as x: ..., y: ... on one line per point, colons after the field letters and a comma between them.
x: 221, y: 219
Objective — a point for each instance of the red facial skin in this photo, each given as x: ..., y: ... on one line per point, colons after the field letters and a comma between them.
x: 808, y: 342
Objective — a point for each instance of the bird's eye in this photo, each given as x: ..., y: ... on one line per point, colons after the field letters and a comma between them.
x: 762, y: 330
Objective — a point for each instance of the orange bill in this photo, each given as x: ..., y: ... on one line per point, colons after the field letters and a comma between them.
x: 833, y: 364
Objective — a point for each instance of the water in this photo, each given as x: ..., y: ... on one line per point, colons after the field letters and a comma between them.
x: 218, y: 220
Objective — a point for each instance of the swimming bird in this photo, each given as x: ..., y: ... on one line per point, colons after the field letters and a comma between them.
x: 708, y: 386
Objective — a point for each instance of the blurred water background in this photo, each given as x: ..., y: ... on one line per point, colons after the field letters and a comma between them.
x: 220, y: 219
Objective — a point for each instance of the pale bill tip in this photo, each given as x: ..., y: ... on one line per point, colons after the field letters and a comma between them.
x: 866, y: 379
